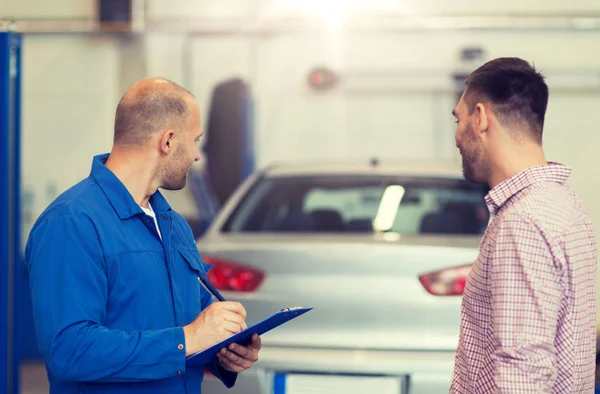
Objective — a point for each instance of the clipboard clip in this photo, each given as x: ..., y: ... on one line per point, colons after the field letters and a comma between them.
x: 292, y: 308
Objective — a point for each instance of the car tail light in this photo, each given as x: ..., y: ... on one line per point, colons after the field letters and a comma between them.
x: 447, y: 282
x: 229, y: 276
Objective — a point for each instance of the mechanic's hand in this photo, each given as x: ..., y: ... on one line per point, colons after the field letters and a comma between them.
x: 238, y: 358
x: 217, y: 322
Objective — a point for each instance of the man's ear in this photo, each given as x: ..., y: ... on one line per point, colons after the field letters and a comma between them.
x: 482, y: 115
x: 166, y: 141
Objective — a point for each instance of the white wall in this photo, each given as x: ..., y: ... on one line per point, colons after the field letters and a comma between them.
x: 291, y: 117
x: 249, y: 8
x: 69, y: 92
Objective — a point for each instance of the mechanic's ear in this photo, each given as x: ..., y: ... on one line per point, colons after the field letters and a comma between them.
x: 482, y: 118
x: 166, y: 140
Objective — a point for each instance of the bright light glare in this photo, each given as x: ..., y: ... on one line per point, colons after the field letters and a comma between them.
x: 334, y: 11
x: 388, y: 208
x: 339, y: 4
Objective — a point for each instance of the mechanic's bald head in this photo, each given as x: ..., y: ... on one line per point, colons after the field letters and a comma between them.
x: 150, y: 105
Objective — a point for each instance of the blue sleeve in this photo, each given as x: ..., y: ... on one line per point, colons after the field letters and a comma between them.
x: 69, y: 294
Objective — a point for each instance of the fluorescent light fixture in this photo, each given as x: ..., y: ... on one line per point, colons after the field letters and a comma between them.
x: 388, y: 208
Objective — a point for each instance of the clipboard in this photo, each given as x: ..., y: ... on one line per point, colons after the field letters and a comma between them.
x: 199, y: 360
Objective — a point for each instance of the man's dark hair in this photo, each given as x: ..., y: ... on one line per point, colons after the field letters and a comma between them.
x: 516, y: 92
x: 154, y: 105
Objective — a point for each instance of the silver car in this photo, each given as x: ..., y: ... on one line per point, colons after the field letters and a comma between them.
x: 381, y: 251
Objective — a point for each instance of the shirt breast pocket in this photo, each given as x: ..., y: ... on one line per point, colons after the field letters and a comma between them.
x: 195, y: 296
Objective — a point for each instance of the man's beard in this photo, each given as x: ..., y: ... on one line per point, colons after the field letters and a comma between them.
x: 472, y: 163
x: 468, y: 167
x: 175, y: 174
x: 472, y: 166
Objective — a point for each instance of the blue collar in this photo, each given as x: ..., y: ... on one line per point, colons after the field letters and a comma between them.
x: 117, y: 194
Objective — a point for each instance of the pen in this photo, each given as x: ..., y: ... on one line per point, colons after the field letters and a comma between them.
x: 211, y: 289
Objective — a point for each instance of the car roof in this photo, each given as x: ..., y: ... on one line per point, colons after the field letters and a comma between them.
x: 415, y: 168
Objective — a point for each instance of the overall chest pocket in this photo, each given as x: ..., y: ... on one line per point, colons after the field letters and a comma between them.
x: 193, y: 261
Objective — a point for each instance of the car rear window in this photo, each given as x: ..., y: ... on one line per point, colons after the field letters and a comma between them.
x: 336, y: 204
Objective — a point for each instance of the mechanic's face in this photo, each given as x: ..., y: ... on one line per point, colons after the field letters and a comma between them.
x: 186, y: 152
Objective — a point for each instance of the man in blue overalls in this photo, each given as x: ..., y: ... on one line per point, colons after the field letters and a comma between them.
x: 117, y: 300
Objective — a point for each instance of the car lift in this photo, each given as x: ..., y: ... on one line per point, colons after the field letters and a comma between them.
x: 10, y: 230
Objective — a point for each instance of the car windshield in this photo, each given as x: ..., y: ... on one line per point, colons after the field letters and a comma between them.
x: 338, y: 204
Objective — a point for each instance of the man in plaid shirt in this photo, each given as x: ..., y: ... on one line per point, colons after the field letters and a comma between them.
x: 528, y: 313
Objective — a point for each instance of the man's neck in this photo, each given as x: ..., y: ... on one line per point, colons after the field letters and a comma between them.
x: 514, y: 160
x: 132, y: 168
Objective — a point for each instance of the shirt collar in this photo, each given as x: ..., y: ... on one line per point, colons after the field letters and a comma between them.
x: 117, y: 194
x: 551, y: 172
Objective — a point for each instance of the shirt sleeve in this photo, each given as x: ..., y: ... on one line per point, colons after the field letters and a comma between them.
x: 69, y: 293
x: 525, y: 291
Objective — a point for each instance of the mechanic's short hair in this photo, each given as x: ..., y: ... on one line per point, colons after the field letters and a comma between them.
x: 515, y: 91
x: 146, y: 109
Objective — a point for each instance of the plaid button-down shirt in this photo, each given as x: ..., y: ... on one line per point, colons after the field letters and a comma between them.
x: 528, y: 311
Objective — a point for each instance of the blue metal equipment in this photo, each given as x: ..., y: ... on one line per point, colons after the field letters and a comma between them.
x: 10, y: 245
